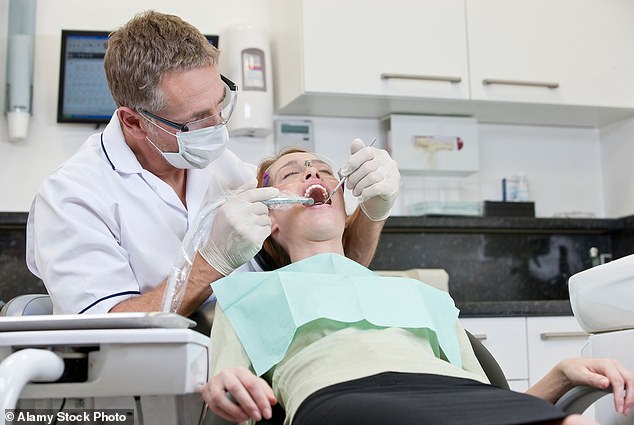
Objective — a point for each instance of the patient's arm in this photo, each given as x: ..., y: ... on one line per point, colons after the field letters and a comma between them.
x: 361, y: 237
x: 598, y: 373
x: 251, y: 396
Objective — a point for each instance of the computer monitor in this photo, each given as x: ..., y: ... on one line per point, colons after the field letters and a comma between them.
x: 84, y: 96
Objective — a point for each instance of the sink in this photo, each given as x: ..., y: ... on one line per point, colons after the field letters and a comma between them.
x: 602, y: 297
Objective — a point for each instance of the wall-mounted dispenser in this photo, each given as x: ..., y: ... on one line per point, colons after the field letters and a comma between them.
x: 245, y: 59
x: 433, y: 145
x: 20, y: 53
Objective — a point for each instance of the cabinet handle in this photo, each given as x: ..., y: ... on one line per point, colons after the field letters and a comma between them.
x: 562, y: 335
x: 480, y: 337
x: 387, y: 76
x: 547, y: 85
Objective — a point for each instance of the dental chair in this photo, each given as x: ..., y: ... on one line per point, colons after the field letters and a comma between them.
x: 576, y: 400
x: 601, y: 299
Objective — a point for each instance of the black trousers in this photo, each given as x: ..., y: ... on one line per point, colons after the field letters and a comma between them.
x: 419, y: 399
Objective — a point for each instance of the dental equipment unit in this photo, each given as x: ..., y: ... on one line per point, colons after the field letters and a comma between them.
x: 147, y: 366
x: 601, y: 299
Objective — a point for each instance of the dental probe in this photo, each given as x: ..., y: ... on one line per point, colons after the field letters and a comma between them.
x: 286, y: 202
x: 344, y: 178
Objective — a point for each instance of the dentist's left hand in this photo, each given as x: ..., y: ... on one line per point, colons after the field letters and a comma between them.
x: 373, y: 178
x: 239, y: 228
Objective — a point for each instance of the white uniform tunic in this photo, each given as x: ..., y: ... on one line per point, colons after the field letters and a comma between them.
x: 102, y: 229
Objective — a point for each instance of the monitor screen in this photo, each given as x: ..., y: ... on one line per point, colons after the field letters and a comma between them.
x: 84, y: 96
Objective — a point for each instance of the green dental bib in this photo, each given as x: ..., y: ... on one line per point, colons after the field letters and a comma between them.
x: 266, y: 308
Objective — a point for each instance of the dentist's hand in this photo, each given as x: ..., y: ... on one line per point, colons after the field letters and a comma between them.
x: 373, y: 178
x: 239, y: 229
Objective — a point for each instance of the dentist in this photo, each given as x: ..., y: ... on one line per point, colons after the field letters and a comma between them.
x: 106, y: 227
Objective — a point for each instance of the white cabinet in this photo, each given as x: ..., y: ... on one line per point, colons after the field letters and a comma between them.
x: 551, y: 339
x: 528, y: 347
x: 372, y: 58
x: 406, y: 48
x: 505, y: 338
x: 582, y: 47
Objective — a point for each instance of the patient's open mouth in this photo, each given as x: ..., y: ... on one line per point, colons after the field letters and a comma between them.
x: 318, y: 193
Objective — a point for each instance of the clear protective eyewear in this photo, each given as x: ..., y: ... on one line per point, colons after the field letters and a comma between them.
x: 227, y: 105
x: 295, y: 169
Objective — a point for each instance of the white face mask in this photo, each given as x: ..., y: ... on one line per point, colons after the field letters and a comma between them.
x: 196, y: 148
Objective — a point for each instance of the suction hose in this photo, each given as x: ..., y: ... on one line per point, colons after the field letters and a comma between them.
x: 19, y: 369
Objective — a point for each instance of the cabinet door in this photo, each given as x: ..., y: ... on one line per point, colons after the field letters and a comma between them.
x: 551, y: 339
x: 350, y: 46
x: 583, y: 46
x: 505, y: 338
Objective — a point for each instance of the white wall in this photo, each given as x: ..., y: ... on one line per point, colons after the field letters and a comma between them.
x: 617, y: 155
x: 563, y: 164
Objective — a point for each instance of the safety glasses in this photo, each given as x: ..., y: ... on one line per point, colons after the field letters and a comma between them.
x: 291, y: 168
x: 227, y: 105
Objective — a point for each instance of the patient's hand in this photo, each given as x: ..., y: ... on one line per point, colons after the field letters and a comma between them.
x: 601, y: 373
x: 250, y: 397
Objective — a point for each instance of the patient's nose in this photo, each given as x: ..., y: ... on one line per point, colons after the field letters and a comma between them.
x: 311, y: 172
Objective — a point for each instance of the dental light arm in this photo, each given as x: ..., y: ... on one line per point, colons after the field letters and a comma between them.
x: 22, y: 367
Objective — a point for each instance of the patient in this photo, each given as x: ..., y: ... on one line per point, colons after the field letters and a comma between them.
x: 413, y: 365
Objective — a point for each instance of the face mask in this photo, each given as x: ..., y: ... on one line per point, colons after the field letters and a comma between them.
x: 197, y: 148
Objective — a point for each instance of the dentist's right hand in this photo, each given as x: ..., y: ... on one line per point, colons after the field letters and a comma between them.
x: 239, y: 228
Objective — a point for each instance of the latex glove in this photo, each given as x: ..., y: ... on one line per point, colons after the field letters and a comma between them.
x: 373, y: 178
x: 239, y: 228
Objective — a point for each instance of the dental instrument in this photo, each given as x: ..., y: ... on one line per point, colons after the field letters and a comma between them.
x: 344, y: 178
x: 286, y: 201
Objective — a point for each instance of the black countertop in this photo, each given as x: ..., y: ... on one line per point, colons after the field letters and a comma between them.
x: 515, y: 308
x: 13, y: 221
x: 479, y: 224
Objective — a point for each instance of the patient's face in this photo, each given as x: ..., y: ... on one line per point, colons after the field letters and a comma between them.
x: 307, y: 174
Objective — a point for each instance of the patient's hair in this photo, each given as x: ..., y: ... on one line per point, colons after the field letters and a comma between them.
x: 145, y: 49
x: 272, y: 253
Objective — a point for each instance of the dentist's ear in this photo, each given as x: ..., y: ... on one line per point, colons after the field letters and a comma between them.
x: 131, y: 122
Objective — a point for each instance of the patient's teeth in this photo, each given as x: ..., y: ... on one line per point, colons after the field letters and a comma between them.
x: 317, y: 192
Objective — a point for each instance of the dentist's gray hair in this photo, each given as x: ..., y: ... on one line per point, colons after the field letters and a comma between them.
x: 144, y: 50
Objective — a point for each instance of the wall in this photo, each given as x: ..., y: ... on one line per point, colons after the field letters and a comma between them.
x: 562, y: 164
x: 558, y: 183
x: 617, y: 152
